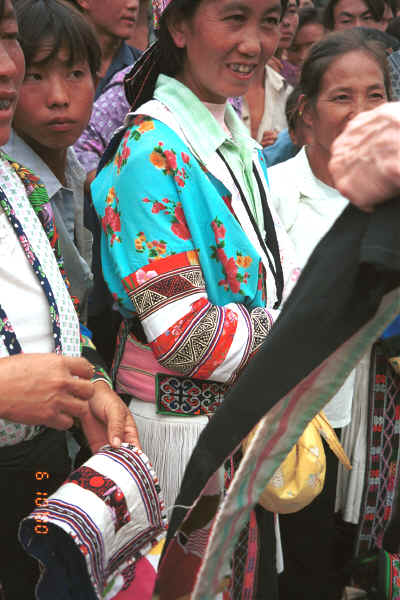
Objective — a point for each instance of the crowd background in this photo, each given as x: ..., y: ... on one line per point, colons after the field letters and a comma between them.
x: 322, y: 65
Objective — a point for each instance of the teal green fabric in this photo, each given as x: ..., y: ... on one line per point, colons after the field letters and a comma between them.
x: 206, y: 135
x: 156, y: 204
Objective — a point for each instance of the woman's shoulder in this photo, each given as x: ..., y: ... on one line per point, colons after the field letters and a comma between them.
x: 285, y: 177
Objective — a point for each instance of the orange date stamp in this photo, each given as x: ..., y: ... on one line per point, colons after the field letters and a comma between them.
x: 41, y: 501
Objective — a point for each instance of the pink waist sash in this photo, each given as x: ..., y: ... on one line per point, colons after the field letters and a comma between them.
x: 137, y: 370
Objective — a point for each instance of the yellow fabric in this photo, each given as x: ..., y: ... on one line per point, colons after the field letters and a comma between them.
x: 395, y: 363
x: 300, y: 478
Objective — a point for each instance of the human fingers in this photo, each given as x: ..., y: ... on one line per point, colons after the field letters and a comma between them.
x: 72, y: 406
x: 60, y: 421
x: 275, y: 64
x: 268, y: 139
x: 81, y: 388
x: 131, y: 435
x: 116, y: 417
x: 79, y: 366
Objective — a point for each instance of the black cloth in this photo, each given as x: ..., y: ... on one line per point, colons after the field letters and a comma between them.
x: 23, y: 481
x: 125, y: 56
x: 340, y: 290
x: 266, y: 570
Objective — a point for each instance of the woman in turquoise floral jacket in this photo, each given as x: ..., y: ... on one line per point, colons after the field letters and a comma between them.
x: 191, y: 251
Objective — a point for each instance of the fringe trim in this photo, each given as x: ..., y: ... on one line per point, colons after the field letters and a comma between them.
x: 168, y: 442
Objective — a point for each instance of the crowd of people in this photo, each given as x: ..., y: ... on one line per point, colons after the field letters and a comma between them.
x: 167, y: 169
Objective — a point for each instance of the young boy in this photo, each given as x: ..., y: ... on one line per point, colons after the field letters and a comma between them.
x: 62, y: 59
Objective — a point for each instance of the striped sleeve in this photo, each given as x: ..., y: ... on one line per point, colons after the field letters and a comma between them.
x: 186, y: 332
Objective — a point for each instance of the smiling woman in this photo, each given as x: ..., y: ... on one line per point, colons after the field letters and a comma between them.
x: 345, y: 74
x: 183, y: 203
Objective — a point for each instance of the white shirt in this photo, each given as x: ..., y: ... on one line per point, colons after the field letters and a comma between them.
x: 277, y: 91
x: 308, y: 208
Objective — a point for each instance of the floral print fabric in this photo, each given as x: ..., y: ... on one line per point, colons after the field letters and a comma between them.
x: 174, y: 252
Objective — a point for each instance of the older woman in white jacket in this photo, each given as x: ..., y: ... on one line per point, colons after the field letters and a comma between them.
x: 334, y: 89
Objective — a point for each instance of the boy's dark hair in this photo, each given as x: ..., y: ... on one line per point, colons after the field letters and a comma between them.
x: 333, y: 46
x: 375, y: 7
x: 61, y: 26
x: 310, y: 15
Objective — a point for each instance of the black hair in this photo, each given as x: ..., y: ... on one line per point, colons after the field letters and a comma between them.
x: 164, y: 56
x: 170, y: 58
x: 62, y: 26
x: 375, y: 7
x: 393, y: 29
x: 292, y: 107
x: 389, y: 42
x: 333, y: 46
x: 310, y: 15
x: 395, y: 6
x: 2, y: 8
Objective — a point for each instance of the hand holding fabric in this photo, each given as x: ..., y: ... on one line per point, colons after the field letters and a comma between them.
x: 44, y: 389
x: 108, y: 420
x: 365, y: 158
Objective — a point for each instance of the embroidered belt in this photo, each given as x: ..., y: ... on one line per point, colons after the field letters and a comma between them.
x: 187, y: 397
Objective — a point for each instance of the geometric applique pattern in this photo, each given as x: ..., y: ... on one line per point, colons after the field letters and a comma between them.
x: 159, y: 291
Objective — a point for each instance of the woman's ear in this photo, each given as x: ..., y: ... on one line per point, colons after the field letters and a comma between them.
x: 177, y: 27
x: 306, y: 118
x: 305, y: 111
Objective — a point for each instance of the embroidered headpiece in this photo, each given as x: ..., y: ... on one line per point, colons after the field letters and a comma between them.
x: 158, y: 8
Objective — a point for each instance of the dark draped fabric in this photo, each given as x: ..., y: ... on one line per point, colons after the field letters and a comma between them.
x: 354, y: 266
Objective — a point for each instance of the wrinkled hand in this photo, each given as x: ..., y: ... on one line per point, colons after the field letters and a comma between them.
x: 269, y: 138
x: 44, y: 389
x: 108, y: 420
x: 365, y: 158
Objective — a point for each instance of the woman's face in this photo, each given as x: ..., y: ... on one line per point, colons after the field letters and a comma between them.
x: 352, y: 13
x: 352, y: 84
x: 304, y: 39
x: 12, y: 68
x: 289, y: 24
x: 226, y: 43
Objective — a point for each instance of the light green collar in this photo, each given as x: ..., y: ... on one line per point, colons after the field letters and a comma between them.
x: 201, y: 129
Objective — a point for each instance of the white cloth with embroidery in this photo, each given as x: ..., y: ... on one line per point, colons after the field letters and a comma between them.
x: 21, y: 295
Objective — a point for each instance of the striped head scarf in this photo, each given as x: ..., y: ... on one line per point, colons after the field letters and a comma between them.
x: 141, y: 80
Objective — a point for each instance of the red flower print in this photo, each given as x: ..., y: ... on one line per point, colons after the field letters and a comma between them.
x: 179, y: 227
x: 231, y: 273
x: 125, y: 152
x: 157, y: 206
x: 112, y: 219
x: 111, y: 223
x: 171, y: 159
x: 179, y: 181
x: 185, y: 158
x: 219, y: 230
x: 221, y: 255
